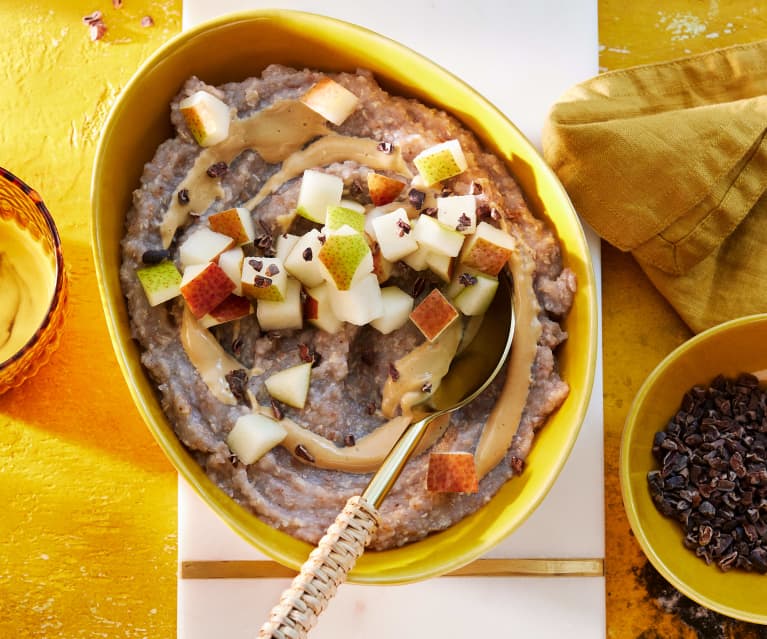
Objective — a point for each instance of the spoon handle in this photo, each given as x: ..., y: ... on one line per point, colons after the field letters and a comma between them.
x: 322, y: 573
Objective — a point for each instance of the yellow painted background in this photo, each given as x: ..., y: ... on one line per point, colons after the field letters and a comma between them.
x: 88, y: 520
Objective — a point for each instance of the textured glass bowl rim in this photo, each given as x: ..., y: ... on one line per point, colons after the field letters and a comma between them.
x: 8, y: 176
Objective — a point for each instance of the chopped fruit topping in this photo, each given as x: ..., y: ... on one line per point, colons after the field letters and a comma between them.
x: 318, y: 310
x: 291, y: 385
x: 337, y: 216
x: 452, y: 472
x: 206, y: 117
x: 205, y: 286
x: 161, y: 282
x: 437, y: 237
x: 346, y: 258
x: 237, y: 223
x: 318, y: 191
x: 253, y: 436
x: 232, y: 308
x: 476, y: 295
x: 396, y: 309
x: 302, y: 260
x: 458, y: 212
x: 359, y: 305
x: 433, y: 315
x: 264, y: 278
x: 331, y: 100
x: 488, y: 249
x: 203, y: 245
x: 383, y: 189
x: 273, y: 316
x: 440, y: 162
x: 394, y: 235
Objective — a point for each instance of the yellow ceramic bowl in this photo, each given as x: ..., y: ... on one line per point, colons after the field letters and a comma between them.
x: 730, y: 348
x: 240, y: 45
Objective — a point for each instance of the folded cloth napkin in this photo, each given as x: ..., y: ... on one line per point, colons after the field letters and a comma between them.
x: 669, y: 162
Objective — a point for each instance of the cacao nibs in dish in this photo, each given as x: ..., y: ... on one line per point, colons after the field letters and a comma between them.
x: 155, y: 256
x: 713, y: 472
x: 238, y: 383
x: 217, y: 170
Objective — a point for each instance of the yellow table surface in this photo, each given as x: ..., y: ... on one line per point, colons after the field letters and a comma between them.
x: 88, y: 532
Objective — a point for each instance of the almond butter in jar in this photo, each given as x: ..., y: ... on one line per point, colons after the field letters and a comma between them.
x: 32, y: 282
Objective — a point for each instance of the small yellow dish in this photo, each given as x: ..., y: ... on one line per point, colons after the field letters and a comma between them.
x: 730, y: 349
x: 238, y: 46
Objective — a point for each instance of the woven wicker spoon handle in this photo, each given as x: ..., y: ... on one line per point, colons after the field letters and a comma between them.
x: 322, y: 573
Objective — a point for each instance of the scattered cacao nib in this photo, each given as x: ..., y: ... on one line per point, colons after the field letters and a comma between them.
x: 321, y: 239
x: 355, y: 189
x: 277, y: 410
x: 418, y: 286
x: 256, y: 263
x: 464, y: 222
x: 217, y: 170
x: 183, y: 196
x: 117, y: 4
x: 476, y: 188
x: 371, y: 408
x: 517, y: 465
x: 713, y: 469
x: 309, y: 355
x: 272, y: 270
x: 404, y: 228
x: 393, y: 372
x: 350, y: 440
x: 262, y: 282
x: 238, y: 383
x: 147, y: 21
x: 155, y: 256
x: 483, y: 212
x: 416, y: 198
x: 307, y: 254
x: 426, y: 388
x: 431, y: 211
x: 467, y: 279
x: 302, y: 452
x: 237, y: 345
x: 385, y: 147
x: 446, y: 191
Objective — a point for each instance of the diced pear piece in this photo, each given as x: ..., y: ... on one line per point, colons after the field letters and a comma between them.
x: 232, y: 308
x: 302, y: 262
x: 382, y: 188
x: 462, y: 276
x: 284, y: 245
x: 452, y: 472
x: 161, y: 282
x: 488, y: 249
x: 353, y: 205
x: 264, y: 278
x: 440, y: 162
x: 441, y: 265
x: 459, y: 212
x: 394, y: 234
x: 203, y: 245
x: 206, y: 117
x: 337, y: 216
x: 476, y: 295
x: 396, y: 309
x: 237, y: 223
x: 345, y: 258
x: 318, y: 191
x: 439, y: 238
x: 360, y: 304
x: 417, y: 260
x: 287, y: 314
x: 253, y: 436
x: 290, y: 385
x: 318, y: 310
x: 231, y: 263
x: 433, y: 315
x: 331, y: 100
x: 381, y: 266
x: 205, y: 286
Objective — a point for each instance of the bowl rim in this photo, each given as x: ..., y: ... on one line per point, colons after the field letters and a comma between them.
x: 590, y: 302
x: 627, y: 489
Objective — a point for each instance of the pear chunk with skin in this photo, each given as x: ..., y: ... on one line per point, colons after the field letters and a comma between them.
x: 290, y: 385
x: 452, y: 472
x: 441, y: 265
x: 264, y: 278
x: 360, y: 304
x: 477, y: 294
x: 488, y: 249
x: 317, y: 192
x: 302, y: 260
x: 383, y: 189
x: 237, y: 223
x: 231, y: 263
x: 253, y: 436
x: 284, y: 245
x: 286, y: 314
x: 318, y: 310
x: 440, y: 162
x: 205, y: 286
x: 418, y: 259
x: 433, y: 315
x: 437, y: 237
x: 459, y: 212
x: 394, y: 234
x: 161, y: 282
x: 331, y: 100
x: 345, y: 258
x: 232, y: 308
x: 396, y: 309
x: 337, y: 216
x: 206, y: 117
x: 203, y: 245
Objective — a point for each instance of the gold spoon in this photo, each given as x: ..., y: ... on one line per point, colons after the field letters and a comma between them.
x: 471, y: 372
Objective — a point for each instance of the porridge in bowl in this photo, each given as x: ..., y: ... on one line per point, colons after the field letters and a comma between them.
x: 302, y: 262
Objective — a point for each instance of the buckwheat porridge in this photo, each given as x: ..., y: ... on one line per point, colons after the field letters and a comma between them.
x: 301, y: 264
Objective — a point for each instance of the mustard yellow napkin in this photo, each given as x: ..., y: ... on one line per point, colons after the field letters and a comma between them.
x: 669, y: 162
